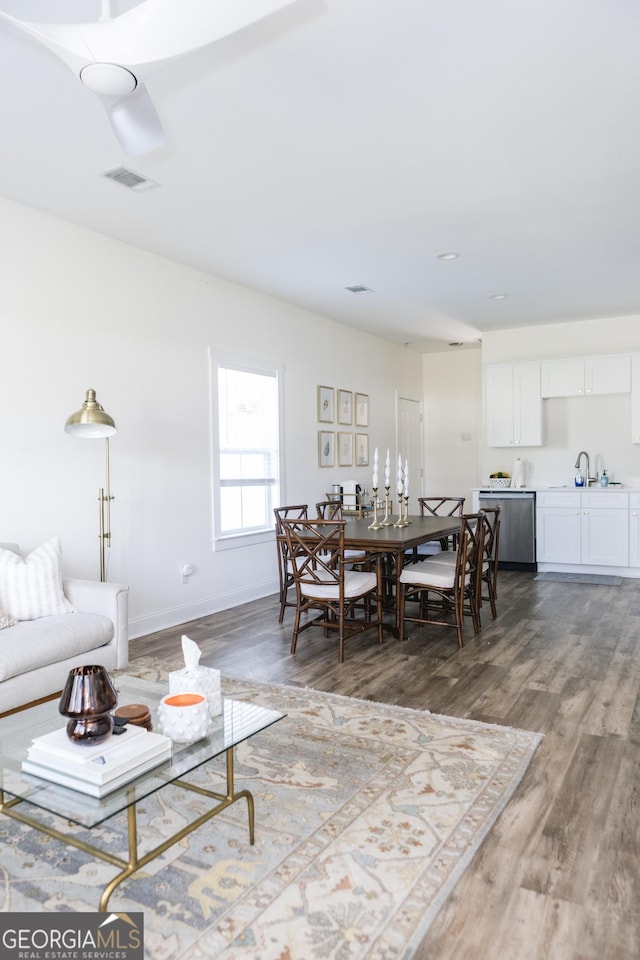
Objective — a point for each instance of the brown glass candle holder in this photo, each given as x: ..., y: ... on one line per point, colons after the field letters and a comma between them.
x: 87, y: 699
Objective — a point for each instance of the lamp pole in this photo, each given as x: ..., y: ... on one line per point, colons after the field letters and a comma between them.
x: 91, y: 422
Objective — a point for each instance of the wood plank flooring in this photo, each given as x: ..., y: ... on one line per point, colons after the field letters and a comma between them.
x: 558, y: 877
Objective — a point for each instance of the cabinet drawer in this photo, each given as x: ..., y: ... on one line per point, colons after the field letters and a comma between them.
x: 634, y: 501
x: 558, y: 498
x: 606, y: 499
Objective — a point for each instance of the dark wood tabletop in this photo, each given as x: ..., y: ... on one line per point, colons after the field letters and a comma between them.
x: 358, y: 536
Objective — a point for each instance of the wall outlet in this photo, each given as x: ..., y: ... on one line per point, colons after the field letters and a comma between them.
x: 186, y: 570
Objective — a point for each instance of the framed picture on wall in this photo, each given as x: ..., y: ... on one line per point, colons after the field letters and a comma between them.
x: 345, y: 406
x: 325, y: 404
x: 362, y: 409
x: 362, y: 449
x: 345, y: 449
x: 326, y: 448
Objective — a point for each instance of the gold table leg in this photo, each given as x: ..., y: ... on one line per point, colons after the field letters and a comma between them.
x: 134, y: 862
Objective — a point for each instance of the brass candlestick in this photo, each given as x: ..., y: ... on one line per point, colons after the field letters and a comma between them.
x: 374, y: 503
x: 403, y: 512
x: 386, y: 521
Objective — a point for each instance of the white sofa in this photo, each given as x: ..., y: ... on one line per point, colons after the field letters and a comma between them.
x: 37, y: 655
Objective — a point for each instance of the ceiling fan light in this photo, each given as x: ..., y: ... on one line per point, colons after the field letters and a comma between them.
x: 108, y: 79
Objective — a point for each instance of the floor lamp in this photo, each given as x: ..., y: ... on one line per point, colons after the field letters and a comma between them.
x: 91, y: 422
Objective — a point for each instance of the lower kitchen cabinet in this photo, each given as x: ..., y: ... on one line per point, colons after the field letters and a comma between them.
x: 558, y: 536
x: 634, y: 530
x: 605, y: 537
x: 584, y: 528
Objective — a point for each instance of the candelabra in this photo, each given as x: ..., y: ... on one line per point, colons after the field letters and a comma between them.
x: 374, y: 503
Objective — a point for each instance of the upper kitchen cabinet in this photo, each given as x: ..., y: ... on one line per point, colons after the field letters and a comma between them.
x: 586, y: 376
x: 513, y: 405
x: 635, y: 398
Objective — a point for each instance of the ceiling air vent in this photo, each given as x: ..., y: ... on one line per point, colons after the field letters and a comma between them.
x: 129, y: 179
x: 358, y: 288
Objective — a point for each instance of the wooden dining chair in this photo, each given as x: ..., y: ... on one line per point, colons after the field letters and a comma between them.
x: 334, y: 510
x: 488, y: 581
x: 436, y: 507
x: 285, y: 573
x: 486, y: 573
x: 329, y: 509
x: 448, y: 590
x: 442, y: 507
x: 323, y: 582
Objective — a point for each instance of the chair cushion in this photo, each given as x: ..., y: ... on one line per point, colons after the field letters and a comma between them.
x: 430, y: 572
x: 353, y: 555
x: 429, y: 549
x: 31, y: 588
x: 448, y: 557
x: 355, y: 585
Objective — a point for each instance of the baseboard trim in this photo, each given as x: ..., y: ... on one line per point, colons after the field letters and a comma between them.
x: 141, y: 626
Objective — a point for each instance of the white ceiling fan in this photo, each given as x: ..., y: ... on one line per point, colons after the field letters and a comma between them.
x: 113, y: 55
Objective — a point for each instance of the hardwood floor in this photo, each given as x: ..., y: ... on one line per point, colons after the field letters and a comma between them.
x: 558, y: 877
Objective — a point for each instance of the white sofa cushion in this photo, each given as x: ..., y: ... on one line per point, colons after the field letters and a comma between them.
x: 31, y: 588
x: 51, y: 639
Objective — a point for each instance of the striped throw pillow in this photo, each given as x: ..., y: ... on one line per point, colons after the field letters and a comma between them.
x: 31, y: 587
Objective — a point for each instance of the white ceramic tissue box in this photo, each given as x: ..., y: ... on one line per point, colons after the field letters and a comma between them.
x: 198, y: 680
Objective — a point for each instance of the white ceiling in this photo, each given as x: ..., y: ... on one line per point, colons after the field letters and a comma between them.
x: 347, y: 142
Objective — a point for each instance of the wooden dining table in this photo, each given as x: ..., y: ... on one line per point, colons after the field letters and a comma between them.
x: 395, y: 541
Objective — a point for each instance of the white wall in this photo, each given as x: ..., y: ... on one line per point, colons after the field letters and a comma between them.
x: 452, y: 423
x: 599, y: 425
x: 80, y: 310
x: 574, y: 339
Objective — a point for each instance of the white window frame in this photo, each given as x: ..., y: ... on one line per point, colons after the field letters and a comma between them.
x: 259, y: 365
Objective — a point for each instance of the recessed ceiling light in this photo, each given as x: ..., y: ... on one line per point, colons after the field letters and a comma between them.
x: 447, y: 256
x: 456, y: 343
x: 358, y: 288
x: 498, y: 296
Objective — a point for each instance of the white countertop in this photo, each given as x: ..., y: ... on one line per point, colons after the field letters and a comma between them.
x: 537, y: 488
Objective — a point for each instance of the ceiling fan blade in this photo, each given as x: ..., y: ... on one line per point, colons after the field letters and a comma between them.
x: 151, y: 33
x: 135, y: 122
x: 70, y: 47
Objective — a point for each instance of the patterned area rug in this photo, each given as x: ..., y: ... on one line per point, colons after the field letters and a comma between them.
x: 598, y: 578
x: 366, y: 817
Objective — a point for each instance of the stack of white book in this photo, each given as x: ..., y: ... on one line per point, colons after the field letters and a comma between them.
x: 100, y: 768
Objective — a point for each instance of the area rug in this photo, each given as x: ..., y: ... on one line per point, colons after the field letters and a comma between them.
x: 597, y: 578
x: 367, y: 816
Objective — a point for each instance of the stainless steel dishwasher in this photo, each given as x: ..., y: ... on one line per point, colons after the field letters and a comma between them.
x: 517, y: 544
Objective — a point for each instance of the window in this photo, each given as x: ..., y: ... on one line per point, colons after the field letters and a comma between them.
x: 247, y: 400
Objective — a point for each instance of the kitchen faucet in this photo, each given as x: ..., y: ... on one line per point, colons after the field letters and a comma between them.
x: 589, y: 478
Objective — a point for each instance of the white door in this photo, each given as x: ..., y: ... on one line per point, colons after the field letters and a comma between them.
x: 409, y: 446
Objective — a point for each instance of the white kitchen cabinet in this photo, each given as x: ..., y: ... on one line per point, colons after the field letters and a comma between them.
x: 558, y: 538
x: 513, y: 405
x: 558, y: 527
x: 634, y: 529
x: 635, y: 398
x: 584, y: 376
x: 583, y: 528
x: 605, y: 536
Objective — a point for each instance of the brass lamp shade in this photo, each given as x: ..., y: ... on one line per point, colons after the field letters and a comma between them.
x: 90, y: 421
x: 87, y: 698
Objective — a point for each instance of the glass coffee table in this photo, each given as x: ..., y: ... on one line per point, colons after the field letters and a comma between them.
x: 239, y: 721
